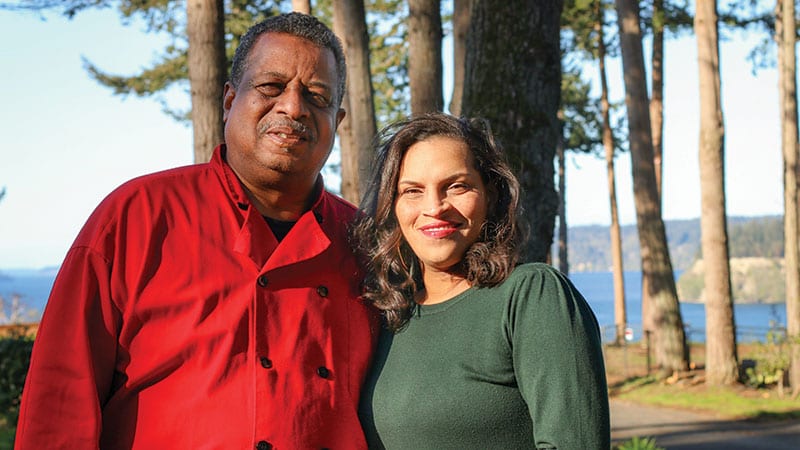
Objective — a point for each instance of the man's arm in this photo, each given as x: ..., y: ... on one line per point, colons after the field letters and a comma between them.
x: 73, y: 358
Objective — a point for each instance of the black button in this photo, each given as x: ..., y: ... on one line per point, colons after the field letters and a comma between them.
x: 322, y: 291
x: 323, y: 372
x: 264, y: 445
x: 266, y: 363
x: 262, y: 281
x: 242, y: 206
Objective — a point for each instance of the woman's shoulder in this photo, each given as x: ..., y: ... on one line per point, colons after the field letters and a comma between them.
x: 527, y: 271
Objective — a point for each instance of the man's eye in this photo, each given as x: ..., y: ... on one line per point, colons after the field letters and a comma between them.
x: 319, y: 100
x: 271, y: 89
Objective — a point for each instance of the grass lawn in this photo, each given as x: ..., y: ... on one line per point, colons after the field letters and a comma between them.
x: 628, y: 378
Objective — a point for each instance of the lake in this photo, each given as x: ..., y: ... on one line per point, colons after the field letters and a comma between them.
x: 752, y: 320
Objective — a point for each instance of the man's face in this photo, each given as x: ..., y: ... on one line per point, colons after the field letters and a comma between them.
x: 281, y: 120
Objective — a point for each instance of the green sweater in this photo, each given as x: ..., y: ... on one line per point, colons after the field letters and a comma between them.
x: 519, y: 365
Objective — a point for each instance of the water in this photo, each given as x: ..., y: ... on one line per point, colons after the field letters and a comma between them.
x: 752, y: 320
x: 32, y: 287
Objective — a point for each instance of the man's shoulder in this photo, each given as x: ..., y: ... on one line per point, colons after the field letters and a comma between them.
x: 167, y: 179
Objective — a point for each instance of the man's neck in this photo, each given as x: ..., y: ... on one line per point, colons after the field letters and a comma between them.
x: 287, y: 203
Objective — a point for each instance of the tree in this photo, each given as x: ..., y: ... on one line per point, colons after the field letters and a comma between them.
x: 303, y: 6
x: 512, y: 78
x: 358, y: 128
x: 670, y: 339
x: 620, y: 310
x: 207, y: 66
x: 462, y: 11
x: 425, y: 55
x: 786, y: 34
x: 388, y: 48
x: 172, y: 67
x: 721, y: 358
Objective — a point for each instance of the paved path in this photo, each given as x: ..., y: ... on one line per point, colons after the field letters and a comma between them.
x: 681, y: 430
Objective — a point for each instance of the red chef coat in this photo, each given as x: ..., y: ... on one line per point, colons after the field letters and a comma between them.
x: 178, y: 321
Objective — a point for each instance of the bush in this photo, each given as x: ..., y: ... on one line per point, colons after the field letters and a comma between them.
x: 637, y: 443
x: 15, y: 356
x: 771, y: 361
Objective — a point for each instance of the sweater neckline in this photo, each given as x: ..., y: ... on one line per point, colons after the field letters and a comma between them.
x: 424, y: 310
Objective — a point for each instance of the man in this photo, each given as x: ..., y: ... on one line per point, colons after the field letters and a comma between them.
x: 216, y: 305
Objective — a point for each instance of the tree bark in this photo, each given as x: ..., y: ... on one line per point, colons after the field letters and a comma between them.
x: 620, y: 309
x: 670, y: 340
x: 513, y: 78
x: 425, y: 56
x: 207, y: 64
x: 721, y: 358
x: 787, y: 71
x: 303, y: 6
x: 358, y: 129
x: 657, y: 87
x: 563, y: 230
x: 462, y: 11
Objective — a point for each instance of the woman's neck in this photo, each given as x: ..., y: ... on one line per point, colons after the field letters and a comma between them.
x: 440, y: 287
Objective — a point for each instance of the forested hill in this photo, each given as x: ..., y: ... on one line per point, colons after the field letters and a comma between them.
x: 589, y: 246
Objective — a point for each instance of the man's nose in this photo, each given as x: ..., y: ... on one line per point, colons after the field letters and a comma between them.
x: 292, y: 102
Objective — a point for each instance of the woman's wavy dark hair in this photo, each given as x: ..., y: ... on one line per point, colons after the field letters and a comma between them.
x: 393, y: 272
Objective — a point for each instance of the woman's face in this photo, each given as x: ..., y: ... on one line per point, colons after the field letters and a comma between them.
x: 441, y: 201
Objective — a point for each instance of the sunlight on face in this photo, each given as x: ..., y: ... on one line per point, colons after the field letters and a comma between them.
x: 441, y: 201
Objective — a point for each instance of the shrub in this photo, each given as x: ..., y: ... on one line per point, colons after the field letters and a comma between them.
x: 15, y: 355
x: 638, y: 443
x: 771, y: 361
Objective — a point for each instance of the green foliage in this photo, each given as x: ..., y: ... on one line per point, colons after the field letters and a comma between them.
x: 639, y: 443
x: 169, y: 68
x: 580, y: 114
x: 388, y: 46
x: 15, y: 356
x: 761, y: 237
x: 772, y: 360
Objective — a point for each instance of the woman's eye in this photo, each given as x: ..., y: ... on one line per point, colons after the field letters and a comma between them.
x: 458, y: 187
x: 410, y: 191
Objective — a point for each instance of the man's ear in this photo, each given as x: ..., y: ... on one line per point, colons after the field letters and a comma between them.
x: 228, y: 94
x: 340, y: 116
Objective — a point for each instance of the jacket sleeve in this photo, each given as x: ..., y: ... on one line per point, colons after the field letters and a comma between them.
x: 558, y: 362
x: 73, y: 358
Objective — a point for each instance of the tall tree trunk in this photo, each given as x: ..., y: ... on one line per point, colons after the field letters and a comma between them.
x: 721, y: 359
x: 657, y: 86
x: 462, y: 10
x: 358, y: 128
x: 205, y: 28
x: 787, y: 72
x: 513, y: 78
x: 657, y: 127
x: 303, y: 6
x: 670, y: 340
x: 563, y: 230
x: 620, y: 310
x: 425, y: 55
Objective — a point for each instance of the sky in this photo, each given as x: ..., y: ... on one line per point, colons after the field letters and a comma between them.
x: 68, y: 141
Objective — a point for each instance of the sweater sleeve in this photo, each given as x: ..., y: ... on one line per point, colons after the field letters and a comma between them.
x: 558, y: 361
x: 73, y: 358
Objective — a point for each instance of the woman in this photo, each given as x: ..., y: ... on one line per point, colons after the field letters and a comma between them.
x: 478, y: 352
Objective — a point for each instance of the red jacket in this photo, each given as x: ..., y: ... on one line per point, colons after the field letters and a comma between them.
x: 178, y: 321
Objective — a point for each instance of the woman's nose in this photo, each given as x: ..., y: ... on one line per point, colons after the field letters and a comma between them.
x: 435, y: 205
